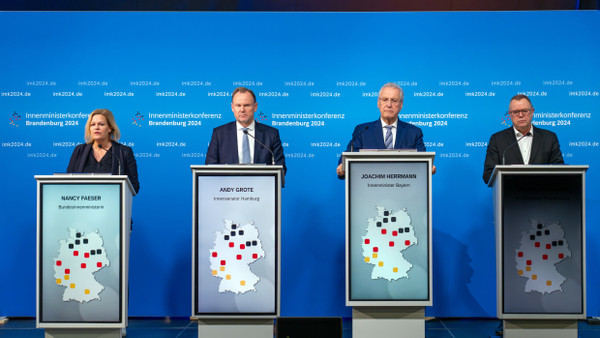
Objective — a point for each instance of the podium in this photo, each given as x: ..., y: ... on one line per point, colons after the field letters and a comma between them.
x: 539, y: 214
x: 236, y: 249
x: 388, y: 241
x: 83, y: 228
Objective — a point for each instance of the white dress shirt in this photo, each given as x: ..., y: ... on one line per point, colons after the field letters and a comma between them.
x: 525, y: 144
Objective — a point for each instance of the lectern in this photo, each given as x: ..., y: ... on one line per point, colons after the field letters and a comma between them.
x: 83, y: 226
x: 236, y: 253
x: 539, y: 213
x: 388, y: 241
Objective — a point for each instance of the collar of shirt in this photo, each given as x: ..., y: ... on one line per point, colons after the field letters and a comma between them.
x: 519, y: 134
x: 250, y: 127
x: 240, y: 139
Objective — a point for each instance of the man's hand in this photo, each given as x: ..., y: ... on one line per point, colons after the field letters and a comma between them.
x: 340, y: 172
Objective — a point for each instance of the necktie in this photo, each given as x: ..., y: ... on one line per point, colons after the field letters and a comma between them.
x: 389, y: 137
x: 245, y: 147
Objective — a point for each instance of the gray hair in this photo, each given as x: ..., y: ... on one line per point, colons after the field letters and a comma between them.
x: 395, y: 86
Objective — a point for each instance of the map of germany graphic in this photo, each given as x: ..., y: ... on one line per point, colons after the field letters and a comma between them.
x: 235, y: 248
x: 387, y: 236
x: 540, y: 250
x: 79, y: 257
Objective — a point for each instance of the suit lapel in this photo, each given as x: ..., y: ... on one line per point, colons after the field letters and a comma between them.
x: 399, y: 135
x: 513, y: 156
x: 536, y: 143
x: 259, y: 135
x: 84, y: 156
x: 378, y: 130
x: 115, y: 165
x: 233, y: 131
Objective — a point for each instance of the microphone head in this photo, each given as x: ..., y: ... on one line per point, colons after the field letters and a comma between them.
x: 245, y: 131
x: 100, y: 145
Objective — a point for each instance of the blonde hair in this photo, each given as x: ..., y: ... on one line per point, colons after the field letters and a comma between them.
x: 115, y: 133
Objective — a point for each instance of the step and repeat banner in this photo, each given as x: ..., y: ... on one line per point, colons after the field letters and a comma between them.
x: 168, y: 78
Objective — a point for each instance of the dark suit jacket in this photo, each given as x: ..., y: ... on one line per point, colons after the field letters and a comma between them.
x: 223, y: 147
x: 370, y: 136
x: 122, y: 152
x: 544, y: 150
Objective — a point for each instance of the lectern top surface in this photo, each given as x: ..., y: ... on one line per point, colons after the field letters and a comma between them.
x: 534, y: 169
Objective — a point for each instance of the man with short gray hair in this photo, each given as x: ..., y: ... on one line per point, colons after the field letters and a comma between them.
x: 387, y: 132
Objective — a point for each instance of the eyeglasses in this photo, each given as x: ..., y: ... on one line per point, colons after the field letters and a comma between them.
x: 385, y: 100
x: 518, y: 112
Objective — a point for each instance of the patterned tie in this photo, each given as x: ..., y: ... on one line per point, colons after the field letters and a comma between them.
x: 389, y: 137
x: 245, y: 147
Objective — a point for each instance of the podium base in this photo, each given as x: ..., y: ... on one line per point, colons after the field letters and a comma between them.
x: 227, y: 328
x: 540, y: 328
x: 368, y: 322
x: 82, y: 333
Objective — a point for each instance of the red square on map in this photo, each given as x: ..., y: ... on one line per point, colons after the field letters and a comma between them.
x: 214, y: 254
x: 367, y: 241
x: 86, y: 255
x: 75, y: 253
x: 242, y: 246
x: 561, y: 256
x: 238, y: 257
x: 223, y: 262
x: 254, y: 256
x: 58, y: 263
x: 383, y: 231
x: 231, y: 244
x: 391, y: 243
x: 520, y: 254
x: 545, y: 257
x: 537, y: 244
x: 99, y: 264
x: 407, y: 242
x: 548, y: 246
x: 375, y: 249
x: 529, y: 262
x: 67, y: 271
x: 394, y: 233
x: 83, y: 265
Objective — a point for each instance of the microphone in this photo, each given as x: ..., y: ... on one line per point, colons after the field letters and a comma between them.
x: 352, y: 140
x: 262, y: 144
x: 113, y: 154
x: 512, y: 145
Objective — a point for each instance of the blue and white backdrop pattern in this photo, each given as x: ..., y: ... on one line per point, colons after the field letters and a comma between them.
x: 168, y: 78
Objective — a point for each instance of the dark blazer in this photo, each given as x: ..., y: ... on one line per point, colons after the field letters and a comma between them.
x: 122, y: 152
x: 223, y: 147
x: 544, y: 150
x: 370, y: 136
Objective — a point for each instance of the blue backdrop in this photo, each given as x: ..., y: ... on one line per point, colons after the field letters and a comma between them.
x: 168, y: 78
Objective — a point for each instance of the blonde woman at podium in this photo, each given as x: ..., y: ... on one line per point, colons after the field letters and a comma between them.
x: 101, y: 153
